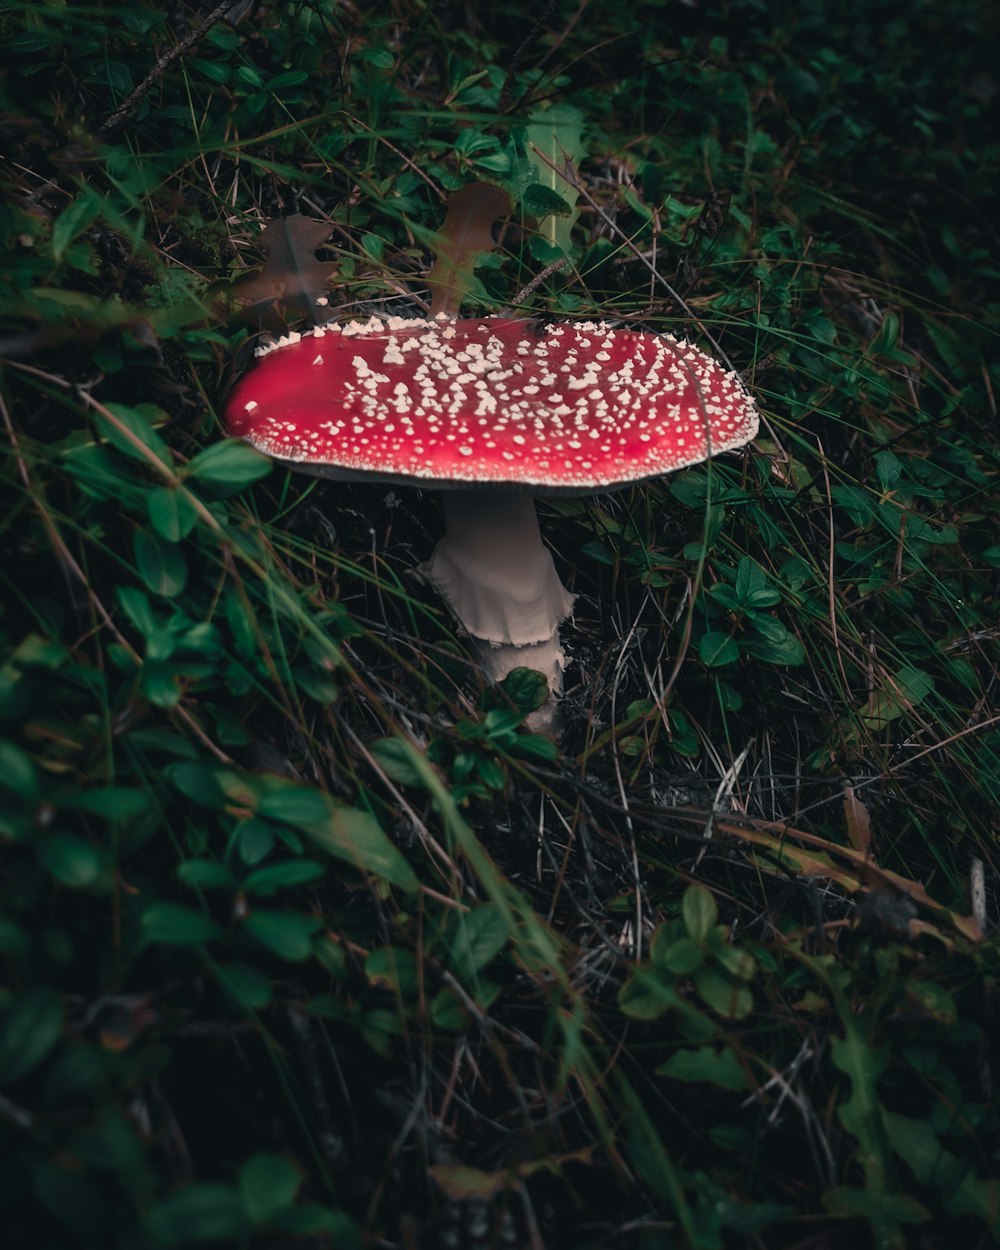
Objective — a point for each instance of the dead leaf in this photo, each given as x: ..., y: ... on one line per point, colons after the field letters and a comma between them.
x: 459, y: 1181
x: 859, y: 827
x: 467, y: 233
x: 292, y: 275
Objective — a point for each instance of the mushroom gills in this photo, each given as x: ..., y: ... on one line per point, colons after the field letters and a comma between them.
x: 495, y: 574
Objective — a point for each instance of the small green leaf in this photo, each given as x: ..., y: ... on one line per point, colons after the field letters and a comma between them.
x: 646, y: 995
x: 294, y: 804
x: 268, y: 1185
x: 740, y: 963
x: 527, y: 689
x: 964, y: 1191
x: 136, y: 606
x: 201, y: 1212
x: 392, y: 758
x: 478, y: 936
x: 255, y: 839
x: 30, y: 1025
x: 172, y: 513
x: 682, y: 957
x: 716, y: 649
x: 276, y: 877
x: 73, y: 220
x: 287, y: 934
x: 17, y: 773
x: 394, y: 969
x: 724, y: 994
x: 541, y: 201
x: 206, y: 874
x: 229, y: 466
x: 248, y: 985
x: 176, y: 924
x: 198, y: 782
x: 356, y: 837
x: 161, y: 565
x: 448, y: 1012
x: 721, y: 1067
x: 131, y: 431
x: 699, y: 911
x: 72, y: 860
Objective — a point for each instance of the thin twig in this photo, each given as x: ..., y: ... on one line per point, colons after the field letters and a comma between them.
x: 117, y: 118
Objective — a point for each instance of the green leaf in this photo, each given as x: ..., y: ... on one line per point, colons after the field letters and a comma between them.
x: 229, y: 466
x: 721, y: 1067
x: 17, y: 773
x: 716, y: 649
x: 448, y: 1011
x: 176, y: 924
x: 964, y: 1191
x: 355, y: 836
x: 682, y: 957
x: 773, y: 643
x: 84, y: 210
x: 908, y: 686
x: 699, y: 912
x: 206, y: 874
x: 394, y: 969
x: 30, y: 1025
x: 724, y: 994
x: 129, y: 430
x: 478, y: 936
x: 646, y: 995
x: 136, y: 606
x: 172, y: 512
x: 201, y: 1212
x: 741, y: 964
x: 282, y: 876
x: 542, y: 201
x: 198, y: 782
x: 287, y: 934
x: 752, y: 586
x: 72, y: 860
x: 162, y: 567
x: 268, y: 1184
x: 527, y: 689
x: 248, y: 985
x: 293, y: 804
x: 255, y: 839
x: 394, y: 760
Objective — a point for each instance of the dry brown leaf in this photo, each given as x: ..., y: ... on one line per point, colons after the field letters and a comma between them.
x: 467, y: 232
x: 459, y: 1181
x: 292, y: 275
x: 859, y: 826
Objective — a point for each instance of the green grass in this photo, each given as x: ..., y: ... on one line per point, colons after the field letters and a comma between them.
x: 305, y: 938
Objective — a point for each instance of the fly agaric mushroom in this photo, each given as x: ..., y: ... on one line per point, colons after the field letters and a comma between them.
x: 494, y: 411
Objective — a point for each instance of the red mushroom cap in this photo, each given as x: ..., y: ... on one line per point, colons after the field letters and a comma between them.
x: 564, y: 407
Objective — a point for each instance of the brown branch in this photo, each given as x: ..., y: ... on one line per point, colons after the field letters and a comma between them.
x: 117, y: 118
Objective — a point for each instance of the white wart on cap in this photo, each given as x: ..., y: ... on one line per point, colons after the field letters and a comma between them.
x: 571, y: 408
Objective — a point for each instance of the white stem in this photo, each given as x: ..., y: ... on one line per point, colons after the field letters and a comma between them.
x: 498, y: 578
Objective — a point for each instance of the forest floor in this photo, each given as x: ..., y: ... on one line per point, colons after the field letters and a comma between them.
x: 307, y: 938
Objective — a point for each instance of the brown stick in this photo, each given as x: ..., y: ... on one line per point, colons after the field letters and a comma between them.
x: 115, y: 120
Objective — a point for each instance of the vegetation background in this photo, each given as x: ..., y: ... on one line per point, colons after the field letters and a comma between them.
x: 305, y: 939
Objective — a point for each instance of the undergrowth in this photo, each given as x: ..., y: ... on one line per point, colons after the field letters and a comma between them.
x: 306, y: 938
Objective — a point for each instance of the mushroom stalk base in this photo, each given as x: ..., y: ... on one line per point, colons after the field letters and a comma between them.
x: 497, y: 577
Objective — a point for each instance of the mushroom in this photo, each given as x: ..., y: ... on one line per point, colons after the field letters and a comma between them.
x: 494, y: 411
